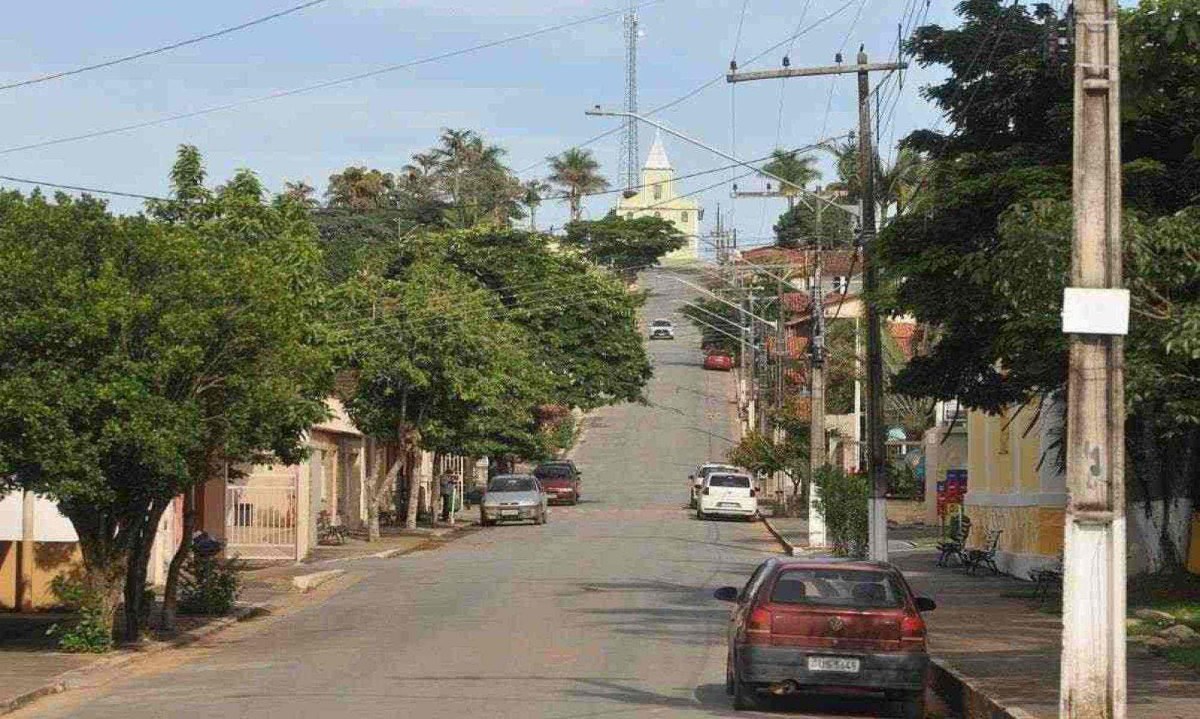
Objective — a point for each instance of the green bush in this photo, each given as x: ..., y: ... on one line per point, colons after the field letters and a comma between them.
x: 843, y: 502
x: 209, y: 585
x: 89, y: 631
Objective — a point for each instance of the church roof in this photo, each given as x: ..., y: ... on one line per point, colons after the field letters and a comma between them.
x: 657, y: 160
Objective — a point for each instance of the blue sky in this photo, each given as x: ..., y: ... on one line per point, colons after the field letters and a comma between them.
x: 528, y: 96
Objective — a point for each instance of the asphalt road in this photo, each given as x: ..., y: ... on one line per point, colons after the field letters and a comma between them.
x: 604, y: 612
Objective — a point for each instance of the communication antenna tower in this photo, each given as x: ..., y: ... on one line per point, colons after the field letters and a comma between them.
x: 629, y: 138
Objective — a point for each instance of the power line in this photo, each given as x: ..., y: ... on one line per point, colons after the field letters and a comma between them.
x: 78, y: 188
x: 322, y: 85
x: 162, y: 49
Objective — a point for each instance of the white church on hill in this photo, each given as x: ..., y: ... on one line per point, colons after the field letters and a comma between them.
x: 657, y: 197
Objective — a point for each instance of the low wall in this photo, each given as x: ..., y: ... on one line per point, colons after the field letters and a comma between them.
x: 906, y: 511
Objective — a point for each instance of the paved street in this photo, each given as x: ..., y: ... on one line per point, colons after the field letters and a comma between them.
x: 604, y: 612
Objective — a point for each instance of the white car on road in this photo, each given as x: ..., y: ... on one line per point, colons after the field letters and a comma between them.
x: 696, y: 481
x: 727, y: 494
x: 662, y: 330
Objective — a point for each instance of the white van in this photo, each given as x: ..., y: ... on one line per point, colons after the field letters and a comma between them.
x: 728, y: 494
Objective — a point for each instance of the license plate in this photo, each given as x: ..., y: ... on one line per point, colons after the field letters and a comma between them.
x: 848, y: 665
x: 508, y: 513
x: 728, y: 504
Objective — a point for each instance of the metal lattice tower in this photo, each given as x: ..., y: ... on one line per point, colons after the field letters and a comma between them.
x: 629, y: 137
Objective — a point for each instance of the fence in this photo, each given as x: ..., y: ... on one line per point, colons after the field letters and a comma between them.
x: 260, y: 521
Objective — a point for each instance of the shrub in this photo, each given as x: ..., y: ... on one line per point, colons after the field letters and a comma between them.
x: 209, y: 585
x: 843, y: 502
x: 88, y: 631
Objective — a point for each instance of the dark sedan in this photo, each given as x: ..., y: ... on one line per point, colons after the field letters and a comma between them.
x: 831, y: 625
x: 560, y: 480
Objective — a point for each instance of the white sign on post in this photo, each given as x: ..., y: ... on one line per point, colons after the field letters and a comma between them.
x: 1091, y: 311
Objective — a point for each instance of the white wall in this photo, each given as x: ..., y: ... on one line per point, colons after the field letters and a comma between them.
x: 49, y: 525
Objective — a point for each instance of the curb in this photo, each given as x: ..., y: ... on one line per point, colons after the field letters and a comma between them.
x: 308, y: 582
x: 965, y: 698
x: 788, y: 548
x: 75, y: 677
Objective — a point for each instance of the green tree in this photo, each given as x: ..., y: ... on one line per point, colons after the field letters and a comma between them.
x: 577, y: 174
x: 436, y: 367
x: 582, y: 319
x: 802, y: 227
x: 157, y: 348
x: 980, y: 255
x: 534, y: 194
x: 625, y: 245
x: 474, y: 181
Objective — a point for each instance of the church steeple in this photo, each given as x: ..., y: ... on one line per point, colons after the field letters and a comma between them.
x: 657, y: 160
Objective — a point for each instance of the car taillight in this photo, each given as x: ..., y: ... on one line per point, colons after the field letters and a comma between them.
x: 758, y: 624
x: 912, y: 631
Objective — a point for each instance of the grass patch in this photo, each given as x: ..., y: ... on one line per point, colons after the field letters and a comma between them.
x: 1176, y: 594
x: 1184, y: 656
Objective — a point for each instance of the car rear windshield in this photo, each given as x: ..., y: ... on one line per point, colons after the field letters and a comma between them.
x: 511, y: 484
x: 661, y: 323
x: 705, y: 471
x: 729, y: 480
x: 552, y: 470
x: 858, y: 589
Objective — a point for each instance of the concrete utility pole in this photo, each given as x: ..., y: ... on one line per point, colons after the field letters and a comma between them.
x: 816, y: 446
x: 876, y: 458
x: 1096, y: 315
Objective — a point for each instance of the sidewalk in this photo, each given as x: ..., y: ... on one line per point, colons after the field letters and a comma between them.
x: 31, y: 666
x: 1007, y: 647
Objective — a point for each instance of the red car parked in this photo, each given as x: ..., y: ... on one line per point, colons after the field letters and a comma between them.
x: 718, y: 360
x: 833, y: 625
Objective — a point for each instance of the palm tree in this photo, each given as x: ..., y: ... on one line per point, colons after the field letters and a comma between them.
x: 303, y: 193
x: 796, y: 169
x: 575, y: 171
x: 894, y: 185
x: 535, y: 192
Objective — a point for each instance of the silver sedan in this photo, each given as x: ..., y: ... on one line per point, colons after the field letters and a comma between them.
x: 513, y: 498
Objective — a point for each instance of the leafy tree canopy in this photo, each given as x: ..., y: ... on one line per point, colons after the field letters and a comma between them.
x: 623, y: 244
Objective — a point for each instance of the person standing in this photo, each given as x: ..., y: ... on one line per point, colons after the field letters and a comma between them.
x: 449, y: 484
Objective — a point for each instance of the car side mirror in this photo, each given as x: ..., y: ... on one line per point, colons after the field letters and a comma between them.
x: 925, y: 604
x: 726, y: 594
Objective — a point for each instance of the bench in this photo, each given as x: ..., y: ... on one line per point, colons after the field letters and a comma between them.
x: 328, y: 532
x: 985, y: 557
x: 1046, y: 581
x: 955, y: 545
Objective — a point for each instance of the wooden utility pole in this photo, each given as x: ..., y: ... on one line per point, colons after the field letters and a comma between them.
x: 876, y: 458
x: 1093, y: 648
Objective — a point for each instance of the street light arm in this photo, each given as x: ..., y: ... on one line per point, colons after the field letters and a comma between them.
x: 597, y: 112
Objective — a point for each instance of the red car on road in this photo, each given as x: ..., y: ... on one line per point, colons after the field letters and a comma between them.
x: 802, y: 624
x: 718, y: 360
x: 560, y: 480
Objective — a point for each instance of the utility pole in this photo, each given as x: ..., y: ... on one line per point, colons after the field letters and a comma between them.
x: 816, y: 443
x: 876, y: 458
x: 781, y: 354
x: 1095, y: 314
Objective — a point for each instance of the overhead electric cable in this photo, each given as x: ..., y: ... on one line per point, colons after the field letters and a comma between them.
x: 322, y: 85
x: 162, y: 49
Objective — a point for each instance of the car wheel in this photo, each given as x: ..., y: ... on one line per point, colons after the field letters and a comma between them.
x: 743, y: 696
x: 913, y: 706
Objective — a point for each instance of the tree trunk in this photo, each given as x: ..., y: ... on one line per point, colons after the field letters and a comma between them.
x: 171, y: 592
x: 103, y: 577
x: 414, y: 492
x: 141, y: 542
x: 1164, y: 474
x: 383, y: 480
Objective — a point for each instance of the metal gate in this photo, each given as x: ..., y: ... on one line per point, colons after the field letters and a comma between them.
x: 260, y: 521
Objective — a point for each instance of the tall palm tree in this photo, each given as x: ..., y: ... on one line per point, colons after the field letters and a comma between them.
x: 894, y: 184
x: 796, y: 169
x: 576, y: 172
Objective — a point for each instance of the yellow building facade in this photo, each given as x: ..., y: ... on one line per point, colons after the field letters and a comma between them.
x: 1014, y: 485
x: 658, y: 197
